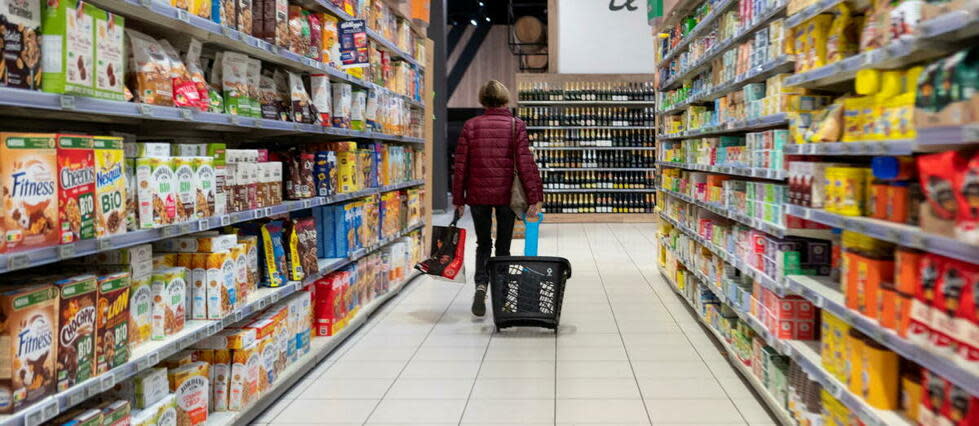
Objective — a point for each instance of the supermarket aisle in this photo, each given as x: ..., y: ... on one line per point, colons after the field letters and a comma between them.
x: 629, y: 352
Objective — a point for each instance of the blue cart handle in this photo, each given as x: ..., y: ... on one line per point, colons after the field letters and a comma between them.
x: 532, y: 234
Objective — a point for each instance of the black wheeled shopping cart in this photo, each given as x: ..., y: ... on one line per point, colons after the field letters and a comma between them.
x: 527, y: 291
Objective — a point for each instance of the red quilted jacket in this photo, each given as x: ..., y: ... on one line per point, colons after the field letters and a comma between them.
x: 484, y: 165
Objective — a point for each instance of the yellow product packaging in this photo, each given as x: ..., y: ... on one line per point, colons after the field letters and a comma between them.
x: 817, y: 32
x: 800, y: 48
x: 347, y: 171
x: 847, y: 190
x: 201, y: 8
x: 110, y: 187
x: 854, y: 118
x: 140, y: 311
x: 245, y: 368
x: 190, y: 384
x: 898, y: 117
x: 854, y: 357
x: 164, y: 260
x: 910, y: 395
x: 827, y: 124
x: 880, y: 376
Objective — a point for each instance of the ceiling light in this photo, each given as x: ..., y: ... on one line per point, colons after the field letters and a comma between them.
x: 488, y: 19
x: 473, y: 21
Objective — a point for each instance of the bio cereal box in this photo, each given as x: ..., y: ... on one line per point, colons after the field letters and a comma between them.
x: 240, y: 255
x: 76, y: 330
x: 191, y: 388
x: 110, y: 186
x: 151, y: 386
x: 28, y: 321
x: 29, y: 190
x: 68, y: 53
x: 109, y: 55
x: 186, y: 196
x: 112, y: 326
x: 76, y: 188
x: 140, y: 311
x: 251, y: 257
x: 156, y: 192
x: 204, y: 185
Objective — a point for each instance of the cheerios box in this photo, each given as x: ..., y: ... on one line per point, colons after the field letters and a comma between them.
x: 29, y: 190
x: 110, y: 186
x: 29, y: 322
x: 76, y: 188
x: 68, y: 54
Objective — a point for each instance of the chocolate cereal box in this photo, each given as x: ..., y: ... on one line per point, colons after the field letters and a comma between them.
x: 76, y: 188
x: 28, y: 321
x: 156, y: 192
x: 110, y: 186
x: 29, y: 190
x: 112, y: 328
x: 76, y: 330
x: 20, y: 24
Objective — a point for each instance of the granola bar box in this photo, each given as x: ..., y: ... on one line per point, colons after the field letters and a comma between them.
x: 20, y: 24
x: 28, y: 345
x: 28, y: 190
x: 112, y: 327
x: 76, y: 330
x: 110, y: 186
x: 68, y: 56
x: 76, y: 188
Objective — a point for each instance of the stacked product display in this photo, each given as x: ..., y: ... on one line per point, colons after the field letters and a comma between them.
x: 161, y: 274
x: 593, y: 139
x: 843, y: 286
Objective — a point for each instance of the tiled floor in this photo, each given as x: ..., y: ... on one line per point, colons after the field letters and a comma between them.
x: 628, y: 352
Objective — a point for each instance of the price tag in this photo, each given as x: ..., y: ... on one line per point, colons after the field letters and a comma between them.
x: 103, y: 244
x: 107, y: 381
x: 186, y: 114
x: 225, y: 220
x: 916, y: 239
x: 183, y: 16
x: 186, y: 228
x: 168, y: 231
x: 236, y: 120
x: 66, y: 251
x: 18, y: 261
x: 144, y: 110
x: 67, y: 102
x: 146, y: 3
x: 308, y: 203
x: 203, y: 224
x: 76, y: 398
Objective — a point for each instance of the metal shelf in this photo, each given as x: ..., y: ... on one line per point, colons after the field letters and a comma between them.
x: 596, y: 169
x: 707, y: 22
x: 620, y: 103
x: 595, y: 190
x: 759, y: 73
x: 151, y: 353
x: 931, y: 139
x: 593, y: 148
x: 82, y: 108
x: 588, y: 127
x: 770, y: 228
x: 30, y: 258
x: 818, y: 291
x: 809, y: 12
x: 898, y: 233
x: 780, y: 119
x: 755, y: 172
x: 718, y: 49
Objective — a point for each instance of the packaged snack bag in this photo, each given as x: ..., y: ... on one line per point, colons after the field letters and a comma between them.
x: 937, y: 173
x: 272, y: 254
x: 192, y: 60
x: 110, y: 186
x: 253, y: 76
x: 21, y: 61
x: 321, y: 97
x: 299, y: 100
x: 342, y: 104
x: 76, y: 330
x: 234, y: 80
x: 149, y: 71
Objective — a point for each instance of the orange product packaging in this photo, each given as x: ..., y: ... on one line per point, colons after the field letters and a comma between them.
x: 907, y: 269
x: 220, y: 379
x: 863, y: 279
x: 902, y: 312
x: 911, y: 388
x: 28, y: 191
x: 29, y: 322
x: 76, y: 188
x: 190, y: 385
x: 245, y: 368
x: 887, y: 306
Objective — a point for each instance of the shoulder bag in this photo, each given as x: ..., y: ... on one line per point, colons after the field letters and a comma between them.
x: 518, y: 199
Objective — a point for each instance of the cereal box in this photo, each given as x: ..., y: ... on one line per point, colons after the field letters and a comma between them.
x: 29, y: 317
x: 251, y: 257
x: 186, y: 196
x: 222, y: 285
x: 110, y: 187
x: 204, y: 185
x: 80, y: 417
x: 163, y: 413
x: 197, y: 304
x: 116, y: 413
x: 191, y: 388
x: 69, y: 47
x: 112, y: 336
x: 156, y: 191
x: 76, y: 188
x: 76, y: 330
x: 151, y: 386
x: 138, y: 260
x: 220, y: 379
x: 240, y: 255
x: 147, y: 149
x: 20, y: 22
x: 169, y: 294
x: 245, y: 367
x: 216, y: 152
x: 109, y: 55
x: 198, y: 243
x: 28, y: 188
x: 140, y: 311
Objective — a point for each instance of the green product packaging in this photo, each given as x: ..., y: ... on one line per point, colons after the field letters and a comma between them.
x: 68, y: 47
x: 110, y: 56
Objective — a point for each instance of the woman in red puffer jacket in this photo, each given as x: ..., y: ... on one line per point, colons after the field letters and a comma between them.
x: 483, y: 176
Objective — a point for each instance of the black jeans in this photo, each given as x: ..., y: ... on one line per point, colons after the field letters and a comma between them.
x: 482, y: 218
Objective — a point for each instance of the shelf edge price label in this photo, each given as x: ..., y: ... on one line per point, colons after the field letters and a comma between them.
x: 186, y: 114
x: 67, y: 102
x: 225, y: 220
x: 18, y: 261
x: 107, y: 381
x: 183, y: 16
x: 66, y: 251
x: 103, y: 244
x: 203, y: 224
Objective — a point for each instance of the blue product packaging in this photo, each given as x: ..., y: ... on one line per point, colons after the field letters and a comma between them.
x: 340, y: 230
x: 327, y: 237
x: 325, y: 173
x: 320, y: 233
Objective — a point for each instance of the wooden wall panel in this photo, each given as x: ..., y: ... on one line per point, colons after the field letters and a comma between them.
x: 493, y: 62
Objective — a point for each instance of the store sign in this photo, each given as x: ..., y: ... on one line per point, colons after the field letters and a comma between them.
x: 604, y: 37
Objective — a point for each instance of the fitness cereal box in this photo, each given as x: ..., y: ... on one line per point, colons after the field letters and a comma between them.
x: 112, y: 326
x: 110, y: 187
x: 184, y: 176
x: 222, y: 285
x: 156, y: 192
x: 76, y: 330
x: 190, y: 385
x: 220, y: 379
x: 140, y: 311
x: 28, y: 317
x: 76, y: 188
x: 28, y: 190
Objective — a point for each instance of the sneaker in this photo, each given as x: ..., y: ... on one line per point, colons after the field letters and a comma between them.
x: 479, y: 301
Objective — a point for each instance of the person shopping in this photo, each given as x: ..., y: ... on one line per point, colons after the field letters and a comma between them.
x: 490, y: 148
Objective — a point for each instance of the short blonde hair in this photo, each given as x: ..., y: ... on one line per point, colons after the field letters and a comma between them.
x: 494, y: 94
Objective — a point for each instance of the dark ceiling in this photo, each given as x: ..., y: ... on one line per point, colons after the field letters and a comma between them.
x: 466, y: 11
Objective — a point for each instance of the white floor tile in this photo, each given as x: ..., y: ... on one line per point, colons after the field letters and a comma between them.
x: 693, y: 411
x: 406, y: 388
x: 498, y: 353
x: 752, y: 410
x: 597, y: 389
x: 523, y: 411
x: 326, y: 411
x: 681, y: 388
x: 670, y: 369
x: 350, y: 369
x: 450, y: 353
x: 591, y: 353
x: 601, y: 411
x: 513, y: 389
x: 347, y: 389
x: 517, y: 369
x: 441, y: 370
x: 418, y: 411
x: 594, y: 369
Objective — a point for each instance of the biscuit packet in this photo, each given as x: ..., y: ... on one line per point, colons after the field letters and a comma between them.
x: 300, y: 104
x: 185, y: 92
x: 149, y: 70
x: 321, y: 98
x: 272, y: 103
x: 253, y: 76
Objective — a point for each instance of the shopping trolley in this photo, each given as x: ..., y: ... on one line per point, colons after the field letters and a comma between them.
x: 527, y: 291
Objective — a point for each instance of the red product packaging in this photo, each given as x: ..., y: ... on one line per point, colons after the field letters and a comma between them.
x: 76, y: 188
x: 804, y: 310
x: 937, y: 173
x: 956, y: 277
x: 967, y: 326
x: 328, y: 307
x: 967, y: 194
x: 933, y: 397
x: 961, y: 408
x: 919, y: 325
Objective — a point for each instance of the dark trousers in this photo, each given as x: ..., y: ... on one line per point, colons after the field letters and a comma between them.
x: 483, y: 219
